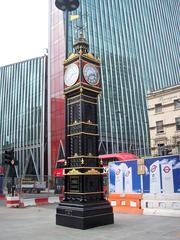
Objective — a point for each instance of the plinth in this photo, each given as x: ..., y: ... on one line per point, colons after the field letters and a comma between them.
x: 84, y: 216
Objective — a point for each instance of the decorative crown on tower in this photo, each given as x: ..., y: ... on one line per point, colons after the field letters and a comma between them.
x: 81, y: 46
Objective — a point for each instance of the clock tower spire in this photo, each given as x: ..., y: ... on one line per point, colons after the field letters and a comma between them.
x: 84, y: 205
x: 81, y: 46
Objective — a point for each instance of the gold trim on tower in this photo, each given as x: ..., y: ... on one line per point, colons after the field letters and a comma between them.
x: 73, y: 172
x: 82, y: 156
x: 81, y: 100
x: 72, y: 57
x: 91, y: 89
x: 83, y: 168
x: 92, y: 172
x: 78, y: 123
x: 89, y: 56
x: 79, y: 133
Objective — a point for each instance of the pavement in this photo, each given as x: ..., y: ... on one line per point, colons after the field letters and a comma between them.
x: 39, y: 223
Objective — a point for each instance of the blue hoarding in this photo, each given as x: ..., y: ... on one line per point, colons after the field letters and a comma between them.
x: 162, y: 175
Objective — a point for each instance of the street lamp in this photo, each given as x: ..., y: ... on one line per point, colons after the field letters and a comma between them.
x: 66, y: 6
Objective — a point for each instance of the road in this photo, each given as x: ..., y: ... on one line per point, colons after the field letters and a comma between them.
x: 39, y: 223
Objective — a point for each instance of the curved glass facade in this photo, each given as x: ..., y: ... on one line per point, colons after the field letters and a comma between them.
x: 137, y: 43
x: 23, y: 114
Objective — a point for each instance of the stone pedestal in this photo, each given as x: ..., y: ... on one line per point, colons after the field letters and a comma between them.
x: 84, y: 216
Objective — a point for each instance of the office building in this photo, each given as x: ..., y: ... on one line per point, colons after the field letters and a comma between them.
x: 23, y: 119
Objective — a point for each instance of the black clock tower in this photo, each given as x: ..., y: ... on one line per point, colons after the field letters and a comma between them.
x: 84, y: 205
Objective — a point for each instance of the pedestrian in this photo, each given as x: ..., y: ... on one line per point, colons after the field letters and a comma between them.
x: 9, y: 187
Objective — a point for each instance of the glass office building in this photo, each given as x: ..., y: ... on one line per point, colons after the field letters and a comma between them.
x: 23, y: 115
x: 137, y: 43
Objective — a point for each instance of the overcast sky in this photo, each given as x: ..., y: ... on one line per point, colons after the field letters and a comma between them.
x: 23, y: 29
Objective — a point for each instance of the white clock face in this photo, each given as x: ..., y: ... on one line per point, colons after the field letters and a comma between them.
x: 71, y: 74
x: 91, y: 74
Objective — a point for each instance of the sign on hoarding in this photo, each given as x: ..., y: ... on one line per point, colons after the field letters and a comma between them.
x: 123, y: 177
x: 162, y: 174
x: 141, y: 167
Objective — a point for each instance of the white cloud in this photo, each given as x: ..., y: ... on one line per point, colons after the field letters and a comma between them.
x: 112, y: 188
x: 164, y: 161
x: 146, y: 171
x: 113, y: 167
x: 177, y: 166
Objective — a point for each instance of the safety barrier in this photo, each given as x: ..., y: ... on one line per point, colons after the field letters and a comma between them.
x: 161, y: 204
x: 54, y: 199
x: 28, y: 202
x: 127, y: 203
x: 161, y: 196
x: 2, y: 196
x: 39, y: 201
x: 12, y: 202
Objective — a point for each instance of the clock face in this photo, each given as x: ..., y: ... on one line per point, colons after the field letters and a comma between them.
x: 91, y: 74
x: 71, y: 74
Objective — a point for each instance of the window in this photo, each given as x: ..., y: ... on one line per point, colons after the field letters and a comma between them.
x: 159, y: 127
x: 160, y: 148
x: 158, y: 108
x: 178, y: 147
x: 177, y: 123
x: 177, y: 104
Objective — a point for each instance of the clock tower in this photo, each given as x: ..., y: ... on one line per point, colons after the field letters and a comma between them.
x: 84, y: 205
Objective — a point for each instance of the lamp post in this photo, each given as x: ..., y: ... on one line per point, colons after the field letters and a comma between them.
x: 66, y: 6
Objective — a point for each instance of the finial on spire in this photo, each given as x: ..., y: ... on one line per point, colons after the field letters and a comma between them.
x: 81, y: 45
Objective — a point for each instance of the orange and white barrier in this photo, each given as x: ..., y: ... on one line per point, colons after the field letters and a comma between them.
x: 128, y: 203
x: 12, y: 202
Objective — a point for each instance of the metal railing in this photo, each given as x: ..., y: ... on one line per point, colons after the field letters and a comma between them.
x: 27, y: 185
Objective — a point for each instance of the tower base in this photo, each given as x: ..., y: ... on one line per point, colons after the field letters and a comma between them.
x: 84, y: 216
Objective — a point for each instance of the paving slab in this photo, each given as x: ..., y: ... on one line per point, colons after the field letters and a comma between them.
x: 38, y: 223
